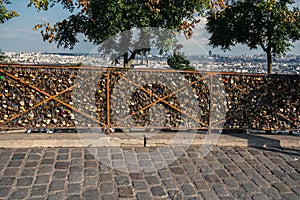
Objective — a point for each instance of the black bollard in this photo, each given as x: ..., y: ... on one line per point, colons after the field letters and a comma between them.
x: 145, y: 141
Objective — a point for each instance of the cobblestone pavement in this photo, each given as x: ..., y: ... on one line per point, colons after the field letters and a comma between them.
x: 224, y: 173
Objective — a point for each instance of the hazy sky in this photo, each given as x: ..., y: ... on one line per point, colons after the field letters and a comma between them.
x: 18, y: 35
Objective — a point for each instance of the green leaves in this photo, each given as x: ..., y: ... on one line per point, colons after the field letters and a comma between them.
x: 179, y: 61
x: 269, y: 24
x: 4, y: 13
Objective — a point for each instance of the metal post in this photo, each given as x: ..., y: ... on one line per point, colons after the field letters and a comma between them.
x: 210, y: 103
x: 108, y: 102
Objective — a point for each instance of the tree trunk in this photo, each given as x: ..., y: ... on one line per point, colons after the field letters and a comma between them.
x: 126, y: 60
x: 269, y: 61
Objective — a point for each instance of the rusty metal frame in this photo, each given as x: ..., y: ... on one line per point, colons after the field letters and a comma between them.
x: 108, y: 124
x: 50, y: 97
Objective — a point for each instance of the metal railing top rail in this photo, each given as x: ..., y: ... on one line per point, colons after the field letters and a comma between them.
x: 116, y: 69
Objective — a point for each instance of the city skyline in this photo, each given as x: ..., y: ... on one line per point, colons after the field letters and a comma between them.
x: 18, y: 35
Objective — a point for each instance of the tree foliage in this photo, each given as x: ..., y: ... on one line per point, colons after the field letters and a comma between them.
x: 272, y: 25
x: 6, y: 14
x: 99, y: 20
x: 179, y: 61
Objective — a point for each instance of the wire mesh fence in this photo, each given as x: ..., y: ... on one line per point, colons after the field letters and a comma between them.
x: 88, y: 97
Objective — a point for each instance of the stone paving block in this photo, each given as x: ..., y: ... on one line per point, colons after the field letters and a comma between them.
x: 106, y: 188
x: 212, y: 178
x: 227, y: 198
x: 88, y: 156
x: 232, y: 168
x: 143, y: 195
x: 157, y: 191
x: 152, y: 180
x: 62, y: 165
x: 291, y: 196
x: 136, y: 176
x: 73, y: 197
x: 164, y: 174
x: 287, y: 168
x: 220, y: 190
x: 177, y: 170
x: 250, y: 188
x: 231, y: 182
x: 240, y: 177
x: 125, y: 192
x: 188, y: 190
x: 11, y: 171
x: 260, y: 182
x: 31, y: 164
x: 90, y: 181
x: 24, y: 181
x: 174, y: 194
x: 90, y: 172
x: 64, y: 150
x: 49, y: 154
x: 222, y: 173
x: 55, y: 196
x: 238, y: 193
x: 109, y: 196
x: 209, y: 195
x: 18, y: 156
x: 90, y: 194
x: 196, y: 176
x: 250, y: 172
x: 243, y: 165
x: 34, y: 157
x: 60, y: 175
x: 139, y: 185
x: 91, y: 164
x: 15, y: 163
x: 225, y: 161
x: 4, y: 160
x: 19, y: 193
x: 281, y: 187
x: 201, y: 185
x: 122, y: 180
x: 75, y: 169
x: 42, y: 179
x: 272, y: 193
x: 28, y: 172
x: 57, y: 185
x: 62, y: 157
x: 74, y: 188
x: 106, y: 177
x: 259, y: 197
x: 74, y: 177
x: 169, y: 183
x: 4, y: 191
x: 45, y: 169
x: 7, y: 181
x: 76, y: 155
x: 47, y: 162
x: 39, y: 190
x: 297, y: 190
x: 206, y: 169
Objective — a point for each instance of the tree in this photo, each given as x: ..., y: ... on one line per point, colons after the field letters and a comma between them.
x: 2, y: 57
x: 272, y: 25
x: 100, y: 20
x: 179, y: 61
x: 6, y: 14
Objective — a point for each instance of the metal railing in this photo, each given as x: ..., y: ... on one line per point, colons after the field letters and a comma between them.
x: 91, y: 97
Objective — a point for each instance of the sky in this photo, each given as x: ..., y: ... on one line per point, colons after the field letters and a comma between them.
x: 18, y: 35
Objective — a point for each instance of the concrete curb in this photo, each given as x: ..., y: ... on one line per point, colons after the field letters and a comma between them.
x: 22, y: 140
